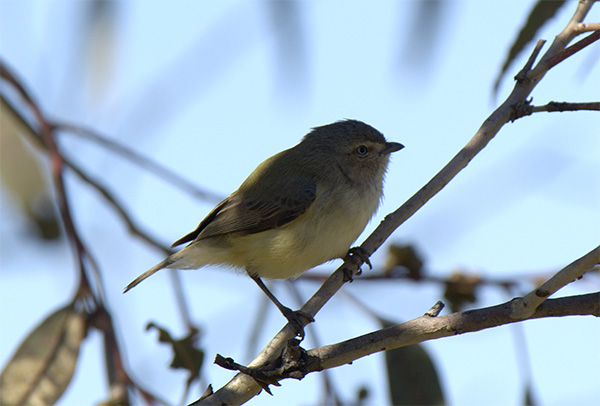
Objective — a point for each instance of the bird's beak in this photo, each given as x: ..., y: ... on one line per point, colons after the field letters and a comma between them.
x: 391, y: 147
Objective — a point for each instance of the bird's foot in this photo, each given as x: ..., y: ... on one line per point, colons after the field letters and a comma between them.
x: 297, y: 319
x: 357, y: 255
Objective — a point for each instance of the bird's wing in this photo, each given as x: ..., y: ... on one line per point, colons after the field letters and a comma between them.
x: 248, y: 215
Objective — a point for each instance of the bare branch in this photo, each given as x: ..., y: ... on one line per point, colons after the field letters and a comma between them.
x: 296, y: 362
x: 526, y: 306
x: 428, y: 328
x: 566, y: 106
x: 526, y: 109
x: 578, y: 46
x: 588, y: 27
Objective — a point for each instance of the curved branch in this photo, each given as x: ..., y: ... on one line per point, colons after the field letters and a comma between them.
x: 524, y: 307
x: 428, y: 328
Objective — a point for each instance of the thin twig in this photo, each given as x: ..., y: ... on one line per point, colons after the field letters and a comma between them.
x: 399, y: 273
x: 522, y: 75
x: 566, y: 106
x: 135, y: 157
x: 526, y: 109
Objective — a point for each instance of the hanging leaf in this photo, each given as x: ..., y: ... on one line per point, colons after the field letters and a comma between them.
x: 529, y: 398
x: 43, y: 366
x: 22, y: 172
x: 412, y: 377
x: 542, y: 12
x: 405, y: 256
x: 461, y: 289
x: 185, y: 353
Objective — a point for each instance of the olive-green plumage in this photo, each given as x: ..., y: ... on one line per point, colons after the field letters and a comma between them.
x: 299, y: 208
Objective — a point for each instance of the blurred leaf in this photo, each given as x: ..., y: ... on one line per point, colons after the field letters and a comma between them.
x: 404, y: 256
x: 22, y: 173
x: 43, y: 366
x: 98, y: 46
x: 185, y: 353
x: 412, y: 377
x: 289, y: 32
x: 362, y: 395
x: 543, y: 11
x: 428, y: 21
x: 460, y: 289
x: 529, y: 399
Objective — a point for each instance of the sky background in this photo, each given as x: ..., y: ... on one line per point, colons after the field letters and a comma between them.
x: 210, y: 89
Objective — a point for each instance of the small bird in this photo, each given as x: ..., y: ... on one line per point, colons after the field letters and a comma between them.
x: 298, y: 209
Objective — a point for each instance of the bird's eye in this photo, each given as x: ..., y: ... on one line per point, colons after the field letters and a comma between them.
x: 362, y: 150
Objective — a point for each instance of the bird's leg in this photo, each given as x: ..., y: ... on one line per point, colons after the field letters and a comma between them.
x: 295, y: 318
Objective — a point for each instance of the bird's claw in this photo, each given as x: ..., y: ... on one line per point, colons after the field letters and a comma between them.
x: 358, y: 255
x: 298, y: 319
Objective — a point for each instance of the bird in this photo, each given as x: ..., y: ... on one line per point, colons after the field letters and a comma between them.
x: 298, y: 209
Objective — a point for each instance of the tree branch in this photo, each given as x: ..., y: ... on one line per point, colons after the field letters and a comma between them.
x: 526, y: 109
x: 524, y: 307
x: 296, y: 362
x: 426, y: 328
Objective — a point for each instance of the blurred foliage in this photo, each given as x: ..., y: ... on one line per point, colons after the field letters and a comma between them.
x: 461, y: 289
x: 412, y: 376
x: 43, y: 365
x: 405, y: 256
x: 24, y: 176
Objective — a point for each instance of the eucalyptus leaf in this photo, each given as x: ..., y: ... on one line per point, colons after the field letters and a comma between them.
x: 412, y: 377
x: 43, y: 365
x: 540, y: 14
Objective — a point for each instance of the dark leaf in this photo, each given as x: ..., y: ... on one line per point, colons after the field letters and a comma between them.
x: 460, y: 289
x: 422, y: 36
x: 185, y: 353
x: 529, y: 398
x: 43, y: 366
x: 412, y: 377
x: 542, y: 12
x: 405, y: 256
x: 362, y: 395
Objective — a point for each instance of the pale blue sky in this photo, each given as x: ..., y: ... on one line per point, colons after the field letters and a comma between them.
x: 528, y: 204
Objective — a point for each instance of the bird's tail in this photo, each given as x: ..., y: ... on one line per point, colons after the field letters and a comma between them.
x: 149, y: 272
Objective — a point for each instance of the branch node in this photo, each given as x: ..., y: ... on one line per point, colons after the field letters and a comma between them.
x: 522, y: 76
x: 294, y: 362
x: 521, y: 110
x: 435, y: 310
